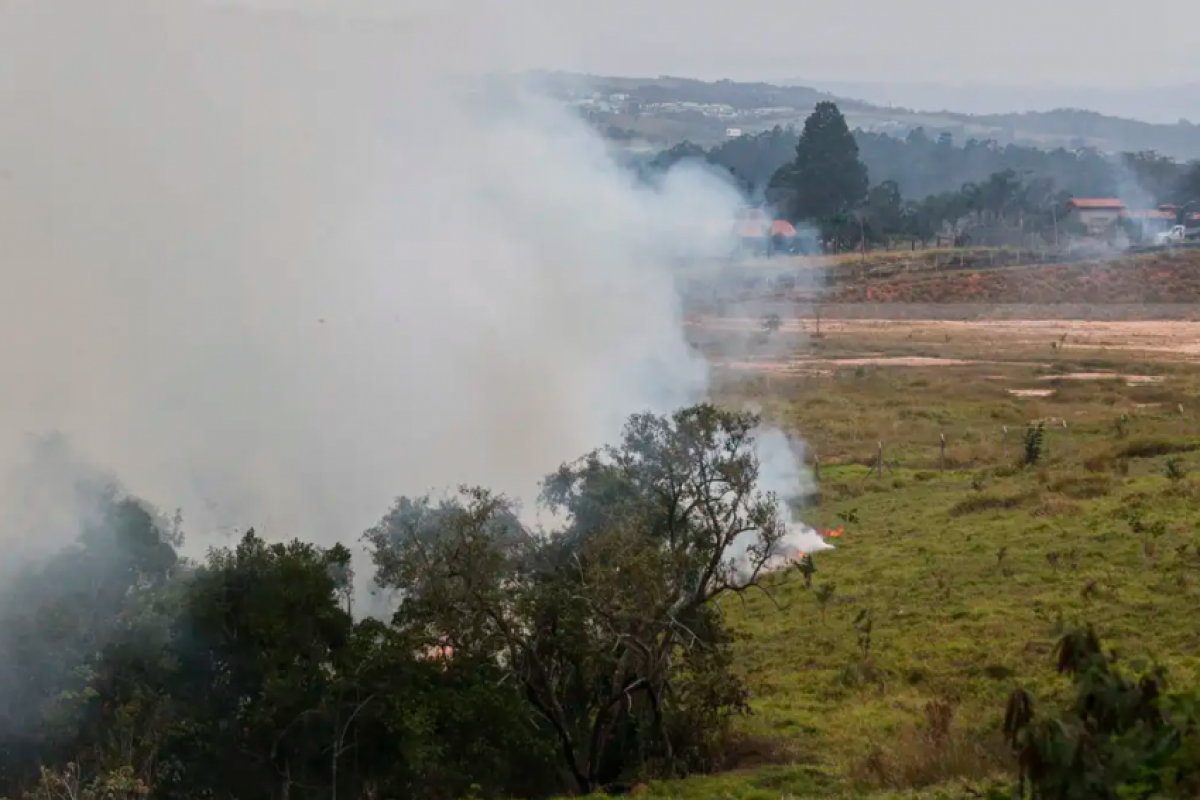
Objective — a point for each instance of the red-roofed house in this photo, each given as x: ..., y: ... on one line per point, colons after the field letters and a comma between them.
x: 1190, y: 218
x: 781, y: 227
x: 754, y: 224
x: 1097, y: 203
x: 759, y: 232
x: 1097, y: 214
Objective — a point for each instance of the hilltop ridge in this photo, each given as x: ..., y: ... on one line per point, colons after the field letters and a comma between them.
x: 667, y: 109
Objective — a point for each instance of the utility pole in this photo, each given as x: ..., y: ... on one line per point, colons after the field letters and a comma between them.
x: 862, y: 234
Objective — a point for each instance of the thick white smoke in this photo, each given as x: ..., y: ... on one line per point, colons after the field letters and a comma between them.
x: 278, y: 268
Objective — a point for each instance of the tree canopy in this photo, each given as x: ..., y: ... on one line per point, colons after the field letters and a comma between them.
x: 948, y: 188
x: 520, y: 661
x: 826, y: 178
x: 606, y: 623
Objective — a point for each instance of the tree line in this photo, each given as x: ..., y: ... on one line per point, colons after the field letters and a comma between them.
x: 518, y: 663
x: 924, y: 187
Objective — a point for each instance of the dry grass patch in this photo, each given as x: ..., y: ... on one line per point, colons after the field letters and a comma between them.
x: 1083, y: 487
x: 985, y: 501
x: 1055, y: 505
x: 931, y: 753
x: 1153, y: 448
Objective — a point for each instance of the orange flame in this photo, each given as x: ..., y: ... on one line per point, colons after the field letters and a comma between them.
x: 833, y: 534
x: 439, y: 652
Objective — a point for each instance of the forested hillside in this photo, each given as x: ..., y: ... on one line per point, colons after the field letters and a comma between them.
x: 922, y: 165
x: 667, y: 110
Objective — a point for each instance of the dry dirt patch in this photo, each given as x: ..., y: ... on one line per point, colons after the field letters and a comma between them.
x: 814, y: 365
x: 1130, y: 380
x: 1180, y: 339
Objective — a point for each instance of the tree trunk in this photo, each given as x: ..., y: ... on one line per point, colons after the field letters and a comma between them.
x: 333, y: 770
x: 564, y: 738
x: 660, y: 730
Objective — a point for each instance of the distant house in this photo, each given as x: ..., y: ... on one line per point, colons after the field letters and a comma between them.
x: 783, y: 228
x: 1176, y: 211
x: 759, y: 232
x: 753, y: 224
x: 1152, y: 221
x: 1097, y: 215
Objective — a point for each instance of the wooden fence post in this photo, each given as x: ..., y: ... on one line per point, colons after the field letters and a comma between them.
x: 1004, y: 443
x: 1181, y: 419
x: 942, y: 455
x: 881, y: 459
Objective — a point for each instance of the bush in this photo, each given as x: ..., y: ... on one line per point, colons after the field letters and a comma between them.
x: 1121, y: 736
x: 1055, y: 506
x: 1006, y: 471
x: 1174, y: 470
x: 933, y: 752
x: 1082, y: 487
x: 1102, y: 462
x: 1035, y: 443
x: 1153, y: 448
x: 982, y: 502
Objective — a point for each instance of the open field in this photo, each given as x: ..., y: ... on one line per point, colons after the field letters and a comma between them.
x: 969, y: 564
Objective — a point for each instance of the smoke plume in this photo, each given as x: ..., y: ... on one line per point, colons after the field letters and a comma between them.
x: 275, y: 268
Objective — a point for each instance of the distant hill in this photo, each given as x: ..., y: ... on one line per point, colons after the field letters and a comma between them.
x: 739, y: 96
x: 1160, y: 104
x: 666, y: 110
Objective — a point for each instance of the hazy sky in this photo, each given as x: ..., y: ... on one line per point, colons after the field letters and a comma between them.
x: 1015, y: 41
x: 1008, y: 42
x: 1030, y: 42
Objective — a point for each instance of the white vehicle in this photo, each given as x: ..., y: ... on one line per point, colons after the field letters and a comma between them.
x: 1177, y: 233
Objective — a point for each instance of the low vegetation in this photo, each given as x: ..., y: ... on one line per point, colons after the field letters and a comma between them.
x: 1163, y: 278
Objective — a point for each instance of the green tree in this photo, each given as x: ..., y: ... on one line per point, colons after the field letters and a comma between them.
x: 883, y: 213
x: 257, y: 645
x: 607, y: 625
x: 59, y: 618
x: 826, y: 177
x: 1154, y: 174
x: 597, y: 648
x: 1188, y: 188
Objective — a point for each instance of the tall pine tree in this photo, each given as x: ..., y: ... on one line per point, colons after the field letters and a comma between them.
x: 827, y: 180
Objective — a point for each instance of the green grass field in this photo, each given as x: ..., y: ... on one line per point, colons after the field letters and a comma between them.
x: 967, y: 573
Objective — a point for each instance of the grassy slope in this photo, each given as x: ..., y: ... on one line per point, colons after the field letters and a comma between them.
x: 1161, y: 277
x: 954, y: 621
